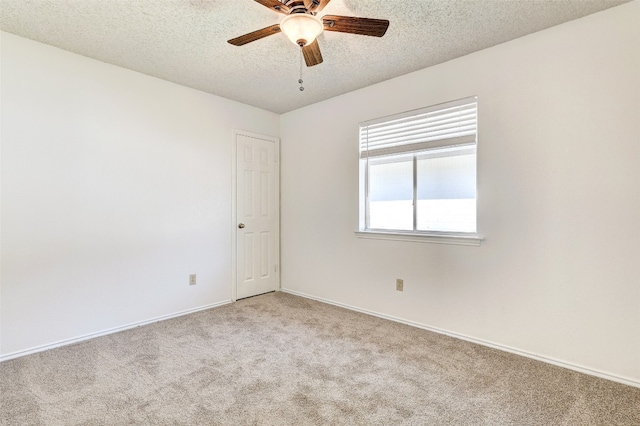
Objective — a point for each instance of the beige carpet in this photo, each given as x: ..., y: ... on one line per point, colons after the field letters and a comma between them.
x: 278, y: 359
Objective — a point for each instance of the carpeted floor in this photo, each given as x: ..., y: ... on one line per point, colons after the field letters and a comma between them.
x: 279, y: 359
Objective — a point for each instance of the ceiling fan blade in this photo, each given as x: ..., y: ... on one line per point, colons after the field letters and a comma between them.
x: 315, y: 5
x: 256, y: 35
x: 311, y: 53
x: 353, y: 25
x: 274, y: 5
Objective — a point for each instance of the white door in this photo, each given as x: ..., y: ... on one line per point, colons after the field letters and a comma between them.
x: 257, y: 216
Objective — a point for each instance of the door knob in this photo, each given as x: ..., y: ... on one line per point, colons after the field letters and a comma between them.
x: 241, y: 225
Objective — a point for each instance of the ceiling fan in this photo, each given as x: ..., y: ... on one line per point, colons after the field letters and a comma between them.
x: 302, y: 26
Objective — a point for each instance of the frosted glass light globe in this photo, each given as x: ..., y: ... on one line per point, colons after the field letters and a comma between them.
x: 301, y: 28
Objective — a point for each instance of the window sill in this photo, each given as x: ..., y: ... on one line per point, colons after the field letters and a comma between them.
x: 435, y: 238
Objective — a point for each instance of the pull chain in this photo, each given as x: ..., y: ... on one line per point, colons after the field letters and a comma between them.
x: 300, y: 79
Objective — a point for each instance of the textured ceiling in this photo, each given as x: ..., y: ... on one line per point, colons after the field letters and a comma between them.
x: 184, y: 41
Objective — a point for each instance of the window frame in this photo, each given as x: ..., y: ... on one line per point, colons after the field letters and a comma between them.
x: 415, y: 235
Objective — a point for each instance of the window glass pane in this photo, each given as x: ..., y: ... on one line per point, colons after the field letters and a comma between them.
x: 447, y: 190
x: 391, y: 193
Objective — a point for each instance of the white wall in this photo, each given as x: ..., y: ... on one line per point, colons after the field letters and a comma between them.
x: 115, y: 187
x: 558, y: 275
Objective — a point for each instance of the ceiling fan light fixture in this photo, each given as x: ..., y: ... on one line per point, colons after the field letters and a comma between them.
x: 301, y: 28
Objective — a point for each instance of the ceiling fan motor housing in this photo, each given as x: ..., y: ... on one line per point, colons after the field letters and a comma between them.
x: 296, y: 6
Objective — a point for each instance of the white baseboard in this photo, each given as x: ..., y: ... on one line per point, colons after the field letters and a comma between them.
x: 108, y: 331
x: 559, y: 363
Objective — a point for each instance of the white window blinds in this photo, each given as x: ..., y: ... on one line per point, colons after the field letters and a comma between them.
x: 450, y: 124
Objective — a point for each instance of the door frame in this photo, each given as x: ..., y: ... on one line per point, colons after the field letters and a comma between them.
x: 234, y: 210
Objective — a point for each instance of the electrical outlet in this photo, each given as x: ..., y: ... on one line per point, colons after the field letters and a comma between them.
x: 192, y: 279
x: 399, y: 284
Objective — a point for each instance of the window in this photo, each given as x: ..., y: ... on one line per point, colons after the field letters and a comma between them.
x: 418, y: 171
